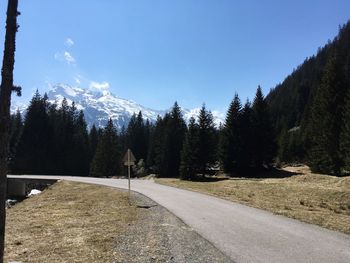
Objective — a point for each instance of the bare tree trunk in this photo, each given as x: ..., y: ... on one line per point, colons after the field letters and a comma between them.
x: 5, y: 102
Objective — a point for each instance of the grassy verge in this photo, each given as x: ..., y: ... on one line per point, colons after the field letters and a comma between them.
x: 312, y: 198
x: 68, y: 222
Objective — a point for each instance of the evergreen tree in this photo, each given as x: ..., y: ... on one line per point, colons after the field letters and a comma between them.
x: 107, y: 159
x: 345, y: 133
x: 231, y: 138
x: 174, y: 135
x: 324, y: 155
x: 33, y: 153
x: 93, y: 141
x: 207, y: 141
x: 80, y: 147
x: 155, y: 150
x: 189, y: 155
x: 148, y: 128
x: 246, y: 131
x: 263, y: 135
x: 284, y: 153
x: 137, y: 136
x: 167, y: 137
x: 15, y: 135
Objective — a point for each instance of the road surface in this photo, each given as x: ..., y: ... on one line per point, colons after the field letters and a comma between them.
x: 243, y: 233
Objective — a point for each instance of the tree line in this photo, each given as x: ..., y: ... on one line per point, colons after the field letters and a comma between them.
x: 54, y: 139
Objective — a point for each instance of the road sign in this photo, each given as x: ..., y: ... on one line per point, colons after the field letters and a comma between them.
x: 129, y: 159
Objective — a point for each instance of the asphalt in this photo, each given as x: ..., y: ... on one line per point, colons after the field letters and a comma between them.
x: 243, y: 233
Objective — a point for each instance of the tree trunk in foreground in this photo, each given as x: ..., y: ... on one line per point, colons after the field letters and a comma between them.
x: 5, y: 102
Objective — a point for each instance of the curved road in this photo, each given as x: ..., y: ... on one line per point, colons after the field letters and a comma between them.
x: 243, y: 233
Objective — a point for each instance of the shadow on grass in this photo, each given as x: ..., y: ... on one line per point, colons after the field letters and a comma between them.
x: 247, y: 174
x: 207, y: 179
x: 274, y: 173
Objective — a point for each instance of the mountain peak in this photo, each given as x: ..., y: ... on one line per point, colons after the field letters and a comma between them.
x: 100, y: 105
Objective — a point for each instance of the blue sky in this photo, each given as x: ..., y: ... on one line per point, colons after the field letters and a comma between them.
x: 155, y: 51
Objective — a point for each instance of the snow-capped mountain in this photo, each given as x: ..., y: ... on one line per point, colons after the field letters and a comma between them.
x: 219, y: 118
x: 99, y: 106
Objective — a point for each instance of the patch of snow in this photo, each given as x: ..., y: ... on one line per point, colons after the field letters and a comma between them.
x: 34, y: 192
x: 10, y: 203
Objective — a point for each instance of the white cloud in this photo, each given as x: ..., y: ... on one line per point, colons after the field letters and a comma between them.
x: 69, y: 42
x: 65, y: 56
x: 99, y: 85
x: 69, y: 58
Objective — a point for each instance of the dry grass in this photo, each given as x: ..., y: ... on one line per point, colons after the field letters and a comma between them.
x: 68, y: 222
x: 313, y: 198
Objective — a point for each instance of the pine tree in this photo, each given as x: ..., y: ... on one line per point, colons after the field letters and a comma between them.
x: 263, y: 134
x: 284, y: 153
x: 155, y: 150
x: 15, y: 135
x: 136, y: 136
x: 33, y: 153
x: 324, y: 132
x: 246, y: 131
x: 93, y: 141
x: 80, y: 147
x: 167, y: 137
x: 231, y: 138
x: 345, y: 134
x: 207, y: 141
x: 173, y: 138
x: 189, y: 154
x: 107, y: 159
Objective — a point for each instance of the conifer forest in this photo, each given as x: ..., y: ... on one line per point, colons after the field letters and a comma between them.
x: 304, y: 119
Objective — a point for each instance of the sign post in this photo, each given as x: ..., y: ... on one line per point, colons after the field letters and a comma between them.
x: 129, y: 160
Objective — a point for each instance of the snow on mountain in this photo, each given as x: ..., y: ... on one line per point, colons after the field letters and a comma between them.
x: 219, y: 118
x: 99, y: 106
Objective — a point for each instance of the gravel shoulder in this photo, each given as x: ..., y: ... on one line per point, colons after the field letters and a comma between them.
x: 159, y: 236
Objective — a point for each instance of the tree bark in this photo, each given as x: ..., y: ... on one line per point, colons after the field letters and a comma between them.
x: 5, y: 102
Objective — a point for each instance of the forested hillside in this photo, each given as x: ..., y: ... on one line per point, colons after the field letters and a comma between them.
x: 310, y: 108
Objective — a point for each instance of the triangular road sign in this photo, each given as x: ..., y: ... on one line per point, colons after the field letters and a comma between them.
x: 129, y: 158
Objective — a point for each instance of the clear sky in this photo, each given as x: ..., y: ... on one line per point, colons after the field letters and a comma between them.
x: 157, y: 51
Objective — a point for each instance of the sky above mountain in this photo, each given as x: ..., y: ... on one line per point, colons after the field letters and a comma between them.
x: 157, y: 52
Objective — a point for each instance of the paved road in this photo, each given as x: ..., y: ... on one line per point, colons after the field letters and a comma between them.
x: 243, y: 233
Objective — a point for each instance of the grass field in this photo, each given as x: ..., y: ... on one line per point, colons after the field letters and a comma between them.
x: 68, y: 222
x: 312, y: 198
